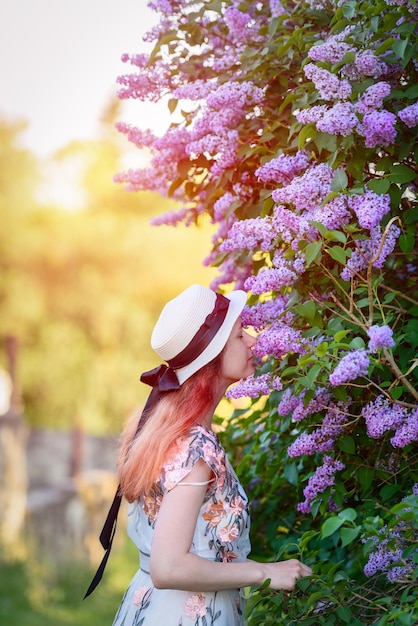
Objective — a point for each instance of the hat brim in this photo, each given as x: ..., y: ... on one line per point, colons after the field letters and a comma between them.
x: 237, y: 300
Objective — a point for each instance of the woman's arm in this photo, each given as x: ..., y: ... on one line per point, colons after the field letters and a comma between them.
x: 173, y: 566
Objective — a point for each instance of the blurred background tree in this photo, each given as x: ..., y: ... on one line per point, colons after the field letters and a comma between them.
x: 81, y: 289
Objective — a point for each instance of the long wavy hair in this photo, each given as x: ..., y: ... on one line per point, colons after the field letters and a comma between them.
x: 141, y: 458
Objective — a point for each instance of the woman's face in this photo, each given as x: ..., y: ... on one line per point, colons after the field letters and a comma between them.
x: 238, y: 360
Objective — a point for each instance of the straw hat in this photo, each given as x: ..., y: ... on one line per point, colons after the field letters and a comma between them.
x: 181, y: 323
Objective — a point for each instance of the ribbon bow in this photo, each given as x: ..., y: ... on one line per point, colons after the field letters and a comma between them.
x: 163, y: 378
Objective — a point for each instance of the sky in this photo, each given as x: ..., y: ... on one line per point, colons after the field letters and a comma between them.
x: 59, y: 60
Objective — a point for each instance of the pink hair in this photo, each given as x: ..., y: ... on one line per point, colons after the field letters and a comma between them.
x: 140, y: 459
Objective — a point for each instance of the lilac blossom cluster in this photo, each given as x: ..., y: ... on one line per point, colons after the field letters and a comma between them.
x: 388, y: 545
x: 322, y: 479
x: 323, y: 438
x: 409, y: 115
x: 374, y: 250
x: 381, y: 416
x: 262, y: 314
x: 278, y: 340
x: 351, y: 366
x: 283, y: 168
x: 296, y: 405
x: 254, y: 386
x: 380, y: 337
x: 369, y: 208
x: 343, y: 118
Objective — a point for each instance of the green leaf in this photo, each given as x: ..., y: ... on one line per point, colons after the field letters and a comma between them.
x: 401, y: 174
x: 322, y: 348
x: 348, y: 535
x: 331, y: 525
x: 346, y: 444
x: 335, y: 235
x: 338, y: 254
x: 291, y: 473
x: 379, y: 185
x: 312, y: 252
x: 348, y: 514
x: 365, y: 476
x: 307, y: 310
x: 344, y: 613
x: 324, y: 141
x: 321, y: 228
x: 339, y: 181
x: 407, y: 242
x: 399, y: 46
x: 340, y: 335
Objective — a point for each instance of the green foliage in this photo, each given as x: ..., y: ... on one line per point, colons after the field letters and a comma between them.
x: 331, y: 310
x: 37, y: 592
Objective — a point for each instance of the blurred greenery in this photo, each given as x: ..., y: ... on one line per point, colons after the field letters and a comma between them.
x: 37, y: 592
x: 81, y: 289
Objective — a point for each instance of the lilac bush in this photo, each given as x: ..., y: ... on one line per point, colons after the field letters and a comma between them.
x: 294, y: 131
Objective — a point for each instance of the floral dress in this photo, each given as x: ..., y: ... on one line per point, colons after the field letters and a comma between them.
x: 221, y: 534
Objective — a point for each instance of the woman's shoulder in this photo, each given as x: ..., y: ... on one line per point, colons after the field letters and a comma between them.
x: 199, y: 443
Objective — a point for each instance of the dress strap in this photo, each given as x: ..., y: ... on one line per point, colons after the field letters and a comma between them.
x: 205, y: 482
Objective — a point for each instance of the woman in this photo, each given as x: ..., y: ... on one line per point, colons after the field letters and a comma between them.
x: 188, y: 512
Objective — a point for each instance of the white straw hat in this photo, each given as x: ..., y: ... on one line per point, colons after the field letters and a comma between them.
x: 183, y: 317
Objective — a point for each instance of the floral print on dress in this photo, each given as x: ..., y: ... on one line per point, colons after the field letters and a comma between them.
x: 221, y: 534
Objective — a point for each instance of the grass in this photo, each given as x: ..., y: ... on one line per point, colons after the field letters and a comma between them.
x: 42, y: 593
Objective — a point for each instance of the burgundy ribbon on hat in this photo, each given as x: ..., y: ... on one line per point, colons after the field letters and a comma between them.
x: 162, y: 379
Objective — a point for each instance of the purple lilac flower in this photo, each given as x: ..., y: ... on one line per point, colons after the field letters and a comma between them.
x: 141, y: 138
x: 254, y: 386
x: 278, y: 341
x: 323, y: 438
x: 328, y: 85
x: 378, y: 128
x: 340, y: 119
x: 368, y: 64
x: 311, y: 114
x: 308, y: 190
x: 277, y: 8
x: 409, y: 115
x: 332, y: 50
x: 388, y: 245
x: 351, y: 366
x: 381, y: 416
x: 223, y: 205
x: 251, y: 234
x: 388, y: 546
x: 262, y: 314
x: 373, y: 97
x: 290, y: 226
x: 289, y: 402
x: 270, y: 279
x: 369, y: 208
x: 380, y: 337
x: 367, y: 250
x: 318, y: 403
x: 407, y: 432
x: 283, y: 168
x: 333, y: 214
x: 323, y: 478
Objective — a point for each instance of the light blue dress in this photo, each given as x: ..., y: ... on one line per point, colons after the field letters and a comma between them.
x: 221, y: 534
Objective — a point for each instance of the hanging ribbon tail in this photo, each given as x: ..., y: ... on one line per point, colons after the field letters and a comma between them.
x: 99, y: 574
x: 161, y: 379
x: 106, y: 539
x: 109, y: 527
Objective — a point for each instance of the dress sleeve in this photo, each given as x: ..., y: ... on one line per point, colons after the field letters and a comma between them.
x: 200, y: 444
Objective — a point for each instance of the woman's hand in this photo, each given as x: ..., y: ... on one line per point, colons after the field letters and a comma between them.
x: 284, y: 574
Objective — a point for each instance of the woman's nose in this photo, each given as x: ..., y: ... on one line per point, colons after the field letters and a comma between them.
x: 250, y: 340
